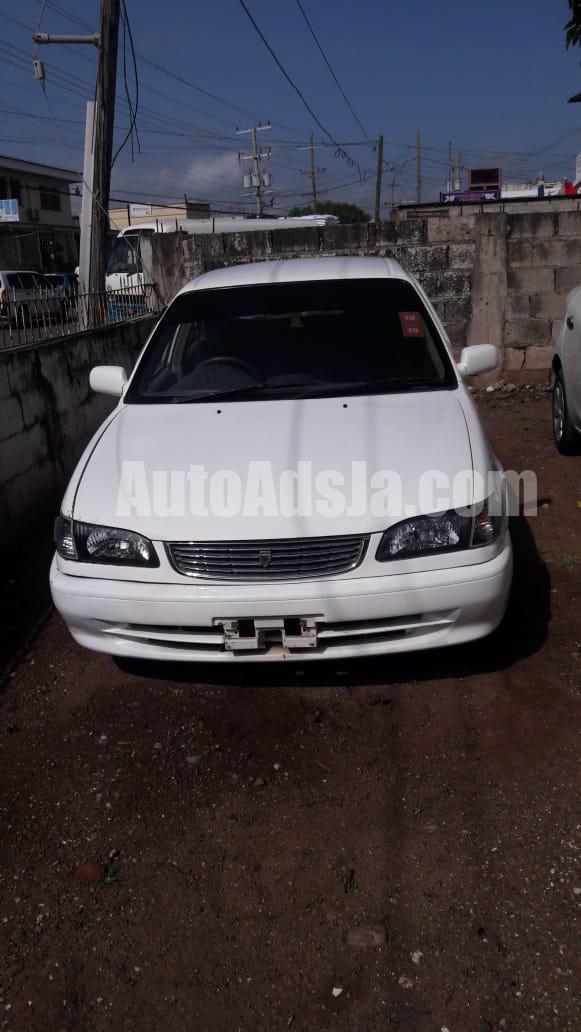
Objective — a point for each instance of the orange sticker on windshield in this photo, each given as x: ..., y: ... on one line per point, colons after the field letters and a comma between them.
x: 411, y: 324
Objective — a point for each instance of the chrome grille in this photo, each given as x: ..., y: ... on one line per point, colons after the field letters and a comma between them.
x: 276, y: 559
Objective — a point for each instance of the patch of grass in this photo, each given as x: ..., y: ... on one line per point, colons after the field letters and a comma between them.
x: 350, y: 886
x: 568, y: 559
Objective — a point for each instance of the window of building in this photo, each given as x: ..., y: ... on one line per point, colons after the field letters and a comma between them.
x: 50, y: 199
x: 15, y: 190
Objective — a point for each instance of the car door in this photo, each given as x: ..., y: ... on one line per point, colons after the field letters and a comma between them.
x: 571, y: 355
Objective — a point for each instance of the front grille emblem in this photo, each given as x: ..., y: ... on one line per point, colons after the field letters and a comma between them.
x: 265, y: 558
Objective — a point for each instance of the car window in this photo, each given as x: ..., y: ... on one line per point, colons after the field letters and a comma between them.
x: 13, y: 280
x: 27, y: 281
x: 322, y: 336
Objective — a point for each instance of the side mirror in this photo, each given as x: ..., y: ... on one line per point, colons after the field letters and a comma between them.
x: 477, y: 358
x: 108, y: 379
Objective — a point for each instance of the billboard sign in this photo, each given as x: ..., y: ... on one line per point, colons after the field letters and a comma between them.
x: 467, y: 196
x: 9, y: 211
x: 140, y: 209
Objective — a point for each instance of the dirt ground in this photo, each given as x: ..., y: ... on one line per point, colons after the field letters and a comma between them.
x: 393, y: 844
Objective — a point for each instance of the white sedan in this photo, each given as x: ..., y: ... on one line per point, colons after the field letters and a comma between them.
x: 566, y: 375
x: 294, y: 469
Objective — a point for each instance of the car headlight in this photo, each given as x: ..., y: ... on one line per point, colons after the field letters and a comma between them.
x: 88, y: 543
x: 441, y: 532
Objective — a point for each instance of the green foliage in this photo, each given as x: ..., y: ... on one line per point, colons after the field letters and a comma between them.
x: 347, y: 213
x: 573, y: 26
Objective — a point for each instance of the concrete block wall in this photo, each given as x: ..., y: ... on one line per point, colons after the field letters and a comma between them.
x: 48, y: 414
x: 493, y: 276
x: 544, y: 264
x: 442, y: 258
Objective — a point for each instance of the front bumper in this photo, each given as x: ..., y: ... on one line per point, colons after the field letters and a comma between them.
x: 354, y: 616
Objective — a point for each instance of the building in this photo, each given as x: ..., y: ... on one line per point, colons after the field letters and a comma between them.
x: 135, y: 214
x: 37, y: 227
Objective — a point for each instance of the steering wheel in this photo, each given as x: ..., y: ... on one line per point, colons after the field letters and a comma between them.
x: 239, y: 363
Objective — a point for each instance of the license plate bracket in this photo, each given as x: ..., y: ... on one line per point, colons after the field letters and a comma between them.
x: 259, y: 634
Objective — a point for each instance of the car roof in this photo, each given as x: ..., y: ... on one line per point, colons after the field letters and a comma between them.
x: 16, y: 272
x: 298, y: 270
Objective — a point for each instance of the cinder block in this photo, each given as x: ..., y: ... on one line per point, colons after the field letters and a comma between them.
x: 514, y: 358
x: 302, y: 241
x: 460, y: 256
x: 567, y: 279
x: 520, y: 253
x: 518, y: 305
x: 413, y: 231
x: 532, y: 225
x: 448, y: 284
x: 520, y: 333
x: 547, y: 306
x: 560, y: 253
x: 538, y: 358
x: 454, y: 229
x: 422, y: 260
x: 531, y: 281
x: 457, y: 309
x: 556, y: 327
x: 457, y: 332
x: 570, y: 223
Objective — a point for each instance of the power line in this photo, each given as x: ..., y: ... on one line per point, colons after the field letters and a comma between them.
x: 335, y: 79
x: 339, y: 150
x: 133, y: 107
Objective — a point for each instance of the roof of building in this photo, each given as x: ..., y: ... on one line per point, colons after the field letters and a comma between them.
x: 37, y: 169
x: 298, y: 270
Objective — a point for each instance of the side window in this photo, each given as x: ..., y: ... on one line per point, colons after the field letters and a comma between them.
x: 13, y: 281
x: 50, y: 199
x: 28, y: 281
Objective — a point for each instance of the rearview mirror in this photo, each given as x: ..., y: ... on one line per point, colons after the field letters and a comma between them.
x: 477, y: 358
x: 108, y: 379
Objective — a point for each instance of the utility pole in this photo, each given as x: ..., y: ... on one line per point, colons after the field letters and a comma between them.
x: 99, y: 129
x: 377, y: 217
x: 418, y: 169
x: 458, y: 172
x: 103, y: 140
x: 257, y: 180
x: 449, y: 183
x: 392, y: 187
x: 312, y: 171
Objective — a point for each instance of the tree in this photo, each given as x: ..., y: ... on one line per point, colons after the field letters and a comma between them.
x: 573, y: 26
x: 347, y: 213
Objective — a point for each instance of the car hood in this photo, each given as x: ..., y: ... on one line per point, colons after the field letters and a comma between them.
x: 136, y: 476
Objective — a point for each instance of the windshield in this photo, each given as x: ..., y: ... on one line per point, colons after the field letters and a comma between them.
x: 294, y: 340
x: 124, y: 257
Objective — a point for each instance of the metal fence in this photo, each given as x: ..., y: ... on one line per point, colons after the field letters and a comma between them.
x: 27, y: 317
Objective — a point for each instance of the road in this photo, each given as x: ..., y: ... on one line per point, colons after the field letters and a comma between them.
x: 355, y: 847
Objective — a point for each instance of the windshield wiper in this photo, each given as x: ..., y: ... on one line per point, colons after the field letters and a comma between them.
x: 307, y: 389
x: 394, y: 383
x: 246, y: 390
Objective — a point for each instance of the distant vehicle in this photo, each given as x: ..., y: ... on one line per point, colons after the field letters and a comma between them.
x: 330, y: 360
x: 566, y: 374
x: 125, y: 267
x: 26, y: 297
x: 66, y: 287
x: 68, y: 282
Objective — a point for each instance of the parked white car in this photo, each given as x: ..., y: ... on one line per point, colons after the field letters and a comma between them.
x: 26, y: 297
x: 566, y: 371
x: 234, y: 504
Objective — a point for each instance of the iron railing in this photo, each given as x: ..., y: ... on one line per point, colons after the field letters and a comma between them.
x: 27, y: 317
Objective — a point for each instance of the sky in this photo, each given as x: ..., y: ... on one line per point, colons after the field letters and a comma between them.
x: 492, y: 81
